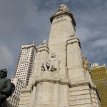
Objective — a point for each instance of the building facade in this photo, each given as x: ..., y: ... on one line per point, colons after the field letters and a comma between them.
x: 59, y: 78
x: 25, y: 63
x: 99, y: 77
x: 23, y: 72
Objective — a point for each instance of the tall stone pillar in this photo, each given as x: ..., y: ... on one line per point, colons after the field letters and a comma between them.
x: 63, y: 25
x: 74, y: 60
x: 81, y: 89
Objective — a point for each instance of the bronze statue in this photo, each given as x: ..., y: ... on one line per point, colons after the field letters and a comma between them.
x: 6, y: 87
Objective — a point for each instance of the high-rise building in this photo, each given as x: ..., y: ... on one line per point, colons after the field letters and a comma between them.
x: 60, y: 79
x: 99, y: 77
x: 23, y: 72
x: 25, y: 63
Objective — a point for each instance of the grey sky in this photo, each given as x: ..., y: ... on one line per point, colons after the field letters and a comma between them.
x: 25, y: 21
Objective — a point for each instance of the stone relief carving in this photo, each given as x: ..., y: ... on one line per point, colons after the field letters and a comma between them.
x: 52, y: 64
x: 85, y: 63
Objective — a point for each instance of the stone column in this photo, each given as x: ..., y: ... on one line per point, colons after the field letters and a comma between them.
x: 81, y: 88
x: 41, y: 56
x: 63, y: 25
x: 74, y: 60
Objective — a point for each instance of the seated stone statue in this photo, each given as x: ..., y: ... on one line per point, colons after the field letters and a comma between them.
x: 6, y: 87
x: 51, y: 64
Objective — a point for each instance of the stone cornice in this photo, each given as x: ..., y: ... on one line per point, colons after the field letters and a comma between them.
x: 73, y: 40
x: 63, y: 13
x: 64, y: 82
x: 28, y: 46
x: 43, y: 47
x: 26, y: 90
x: 54, y: 81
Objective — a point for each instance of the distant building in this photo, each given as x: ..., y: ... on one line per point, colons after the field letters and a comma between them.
x: 25, y: 63
x: 23, y: 72
x: 13, y: 101
x: 99, y: 77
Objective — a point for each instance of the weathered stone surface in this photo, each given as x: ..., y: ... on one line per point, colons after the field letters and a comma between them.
x: 60, y: 81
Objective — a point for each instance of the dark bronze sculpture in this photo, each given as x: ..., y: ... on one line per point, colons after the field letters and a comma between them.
x: 6, y: 87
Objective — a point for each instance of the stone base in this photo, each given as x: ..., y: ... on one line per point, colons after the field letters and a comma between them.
x: 25, y: 98
x: 51, y: 92
x: 80, y: 95
x: 83, y: 96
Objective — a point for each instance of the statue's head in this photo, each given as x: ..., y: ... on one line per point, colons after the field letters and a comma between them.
x: 63, y: 8
x: 3, y: 73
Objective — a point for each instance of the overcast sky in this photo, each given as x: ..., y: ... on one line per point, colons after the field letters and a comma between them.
x: 25, y: 21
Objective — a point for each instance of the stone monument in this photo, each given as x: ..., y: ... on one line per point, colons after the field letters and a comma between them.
x: 59, y: 79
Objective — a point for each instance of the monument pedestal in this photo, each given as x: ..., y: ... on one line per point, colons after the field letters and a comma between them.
x: 25, y: 98
x: 83, y: 95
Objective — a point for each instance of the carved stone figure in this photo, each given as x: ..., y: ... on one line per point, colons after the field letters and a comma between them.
x: 85, y: 64
x: 52, y: 64
x: 6, y: 87
x: 63, y: 8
